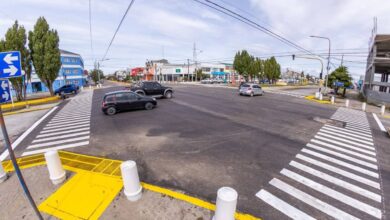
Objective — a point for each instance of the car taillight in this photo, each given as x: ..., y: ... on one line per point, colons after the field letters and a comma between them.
x: 103, y: 104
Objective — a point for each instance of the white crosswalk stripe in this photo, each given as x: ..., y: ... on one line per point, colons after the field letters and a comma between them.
x: 340, y: 165
x: 281, y: 92
x: 69, y: 128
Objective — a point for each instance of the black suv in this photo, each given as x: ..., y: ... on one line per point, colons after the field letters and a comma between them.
x: 154, y: 89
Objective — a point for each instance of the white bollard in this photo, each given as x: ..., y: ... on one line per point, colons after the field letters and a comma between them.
x: 3, y: 174
x: 347, y: 103
x: 332, y: 99
x: 364, y: 106
x: 317, y: 95
x: 383, y: 109
x: 56, y: 171
x: 226, y: 204
x: 320, y: 98
x: 133, y: 188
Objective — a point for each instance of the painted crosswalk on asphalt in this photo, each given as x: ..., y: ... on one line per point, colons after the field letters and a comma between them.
x: 280, y: 92
x: 70, y: 127
x: 335, y: 176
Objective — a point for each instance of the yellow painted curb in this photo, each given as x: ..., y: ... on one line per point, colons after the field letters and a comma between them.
x: 312, y: 98
x: 83, y: 164
x: 26, y: 110
x: 30, y: 102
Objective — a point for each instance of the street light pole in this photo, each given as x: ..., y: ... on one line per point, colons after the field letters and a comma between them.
x: 328, y: 67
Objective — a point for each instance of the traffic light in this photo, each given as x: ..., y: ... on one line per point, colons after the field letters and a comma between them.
x: 293, y: 56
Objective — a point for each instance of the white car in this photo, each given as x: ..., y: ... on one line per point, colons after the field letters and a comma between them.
x: 250, y: 89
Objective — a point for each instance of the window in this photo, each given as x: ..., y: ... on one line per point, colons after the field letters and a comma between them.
x: 110, y: 98
x: 67, y: 71
x: 132, y: 96
x: 148, y: 85
x: 245, y: 85
x: 75, y: 71
x: 120, y: 97
x: 156, y: 86
x: 206, y: 69
x: 256, y: 87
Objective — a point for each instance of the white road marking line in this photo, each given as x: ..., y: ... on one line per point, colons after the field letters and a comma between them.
x: 333, y: 194
x: 344, y: 150
x: 68, y: 125
x: 310, y: 200
x: 349, y: 126
x: 69, y: 122
x: 58, y: 142
x: 379, y: 123
x: 282, y: 206
x: 348, y: 141
x: 368, y: 131
x: 62, y: 132
x: 69, y: 119
x: 358, y: 119
x: 26, y: 133
x: 361, y: 162
x: 346, y: 135
x: 70, y: 116
x: 55, y: 148
x: 341, y: 163
x: 65, y: 128
x: 338, y: 143
x: 358, y: 124
x: 365, y: 134
x: 336, y: 181
x: 60, y: 137
x: 339, y: 171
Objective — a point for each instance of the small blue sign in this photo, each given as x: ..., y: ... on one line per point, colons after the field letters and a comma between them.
x: 5, y: 94
x: 10, y: 64
x: 339, y: 84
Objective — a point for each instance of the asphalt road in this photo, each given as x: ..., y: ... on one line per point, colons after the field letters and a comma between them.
x: 205, y: 138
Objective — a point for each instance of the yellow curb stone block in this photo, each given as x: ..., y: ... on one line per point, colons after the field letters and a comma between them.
x: 84, y: 196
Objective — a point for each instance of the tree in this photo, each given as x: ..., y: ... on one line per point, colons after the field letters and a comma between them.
x: 95, y: 75
x: 15, y: 40
x: 45, y: 53
x: 272, y: 70
x: 255, y: 68
x: 200, y: 75
x: 340, y: 75
x: 242, y: 61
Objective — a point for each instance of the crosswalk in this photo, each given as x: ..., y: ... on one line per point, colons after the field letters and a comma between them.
x: 334, y: 177
x: 70, y: 127
x: 281, y: 92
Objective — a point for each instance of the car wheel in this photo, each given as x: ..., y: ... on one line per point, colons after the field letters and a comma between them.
x: 251, y: 94
x: 149, y: 106
x: 111, y: 111
x: 168, y: 95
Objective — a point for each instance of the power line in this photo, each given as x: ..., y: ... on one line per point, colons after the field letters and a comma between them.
x: 117, y: 29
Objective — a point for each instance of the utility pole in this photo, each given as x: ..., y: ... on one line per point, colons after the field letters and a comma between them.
x: 195, y: 61
x: 342, y: 60
x: 11, y: 153
x: 188, y: 68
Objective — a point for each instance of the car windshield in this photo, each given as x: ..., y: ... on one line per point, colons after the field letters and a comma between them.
x: 245, y: 86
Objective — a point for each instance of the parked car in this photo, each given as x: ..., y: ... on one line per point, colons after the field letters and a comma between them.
x: 207, y: 81
x: 153, y: 89
x: 67, y: 89
x: 250, y: 89
x: 125, y: 100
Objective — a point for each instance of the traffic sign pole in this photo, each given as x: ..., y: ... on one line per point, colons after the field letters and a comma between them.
x: 16, y: 166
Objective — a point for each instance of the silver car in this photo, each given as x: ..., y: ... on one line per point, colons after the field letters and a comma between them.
x: 250, y: 89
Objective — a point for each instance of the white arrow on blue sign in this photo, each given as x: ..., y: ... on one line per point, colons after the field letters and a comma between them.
x: 5, y: 94
x: 10, y: 64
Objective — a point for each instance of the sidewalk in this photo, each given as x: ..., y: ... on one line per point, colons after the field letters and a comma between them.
x: 95, y: 184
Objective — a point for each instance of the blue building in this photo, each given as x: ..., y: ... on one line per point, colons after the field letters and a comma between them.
x: 71, y: 72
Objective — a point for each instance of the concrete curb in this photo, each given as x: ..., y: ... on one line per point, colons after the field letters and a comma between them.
x: 312, y: 98
x: 26, y: 110
x: 30, y: 102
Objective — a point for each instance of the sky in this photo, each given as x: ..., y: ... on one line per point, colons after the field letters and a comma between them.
x: 155, y: 29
